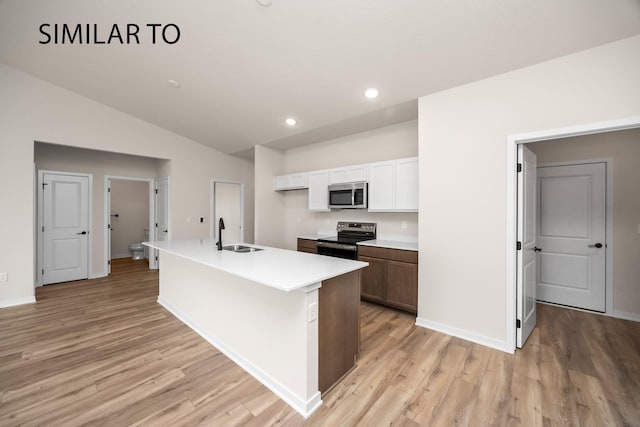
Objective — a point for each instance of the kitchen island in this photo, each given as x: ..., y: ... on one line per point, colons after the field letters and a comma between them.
x: 289, y: 319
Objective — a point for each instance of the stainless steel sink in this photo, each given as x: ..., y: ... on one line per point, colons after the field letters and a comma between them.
x: 240, y: 248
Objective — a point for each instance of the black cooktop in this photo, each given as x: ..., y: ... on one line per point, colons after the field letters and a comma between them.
x: 352, y: 232
x: 352, y: 240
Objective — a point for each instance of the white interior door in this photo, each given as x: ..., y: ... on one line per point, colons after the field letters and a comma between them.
x: 572, y: 235
x: 161, y: 217
x: 528, y: 251
x: 228, y: 205
x: 65, y: 222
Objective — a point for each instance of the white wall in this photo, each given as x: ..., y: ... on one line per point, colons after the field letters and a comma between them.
x: 391, y: 142
x: 269, y: 205
x: 33, y: 110
x: 623, y: 147
x: 463, y: 133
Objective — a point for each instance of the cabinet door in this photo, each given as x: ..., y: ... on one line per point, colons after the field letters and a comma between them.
x: 348, y: 174
x: 381, y: 186
x: 402, y: 285
x: 338, y: 176
x: 319, y: 191
x: 373, y: 279
x: 281, y: 182
x: 299, y: 180
x: 291, y: 182
x: 309, y: 246
x: 406, y: 184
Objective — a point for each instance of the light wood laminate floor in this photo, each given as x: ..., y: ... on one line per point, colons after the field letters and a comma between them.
x: 103, y: 352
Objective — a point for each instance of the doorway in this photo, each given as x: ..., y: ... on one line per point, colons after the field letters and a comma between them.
x: 64, y: 223
x: 129, y: 215
x: 157, y: 207
x: 227, y: 202
x: 513, y: 142
x: 572, y: 234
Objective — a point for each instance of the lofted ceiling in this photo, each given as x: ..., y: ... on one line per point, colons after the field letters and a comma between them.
x: 243, y: 67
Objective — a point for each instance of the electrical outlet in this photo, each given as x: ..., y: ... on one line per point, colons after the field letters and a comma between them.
x: 4, y: 277
x: 404, y: 225
x: 188, y: 220
x: 313, y: 311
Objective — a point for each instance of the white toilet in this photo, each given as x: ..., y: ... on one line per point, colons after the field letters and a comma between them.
x: 137, y: 251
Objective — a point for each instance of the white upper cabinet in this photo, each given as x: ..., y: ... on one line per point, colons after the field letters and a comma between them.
x: 393, y: 186
x: 319, y: 191
x: 348, y: 174
x: 381, y: 185
x: 407, y: 184
x: 293, y: 181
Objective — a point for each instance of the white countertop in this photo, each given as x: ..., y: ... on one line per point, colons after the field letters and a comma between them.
x: 393, y: 244
x: 279, y: 268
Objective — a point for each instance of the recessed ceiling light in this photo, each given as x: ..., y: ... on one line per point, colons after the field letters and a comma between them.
x: 173, y: 83
x: 290, y: 121
x: 371, y: 93
x: 265, y: 3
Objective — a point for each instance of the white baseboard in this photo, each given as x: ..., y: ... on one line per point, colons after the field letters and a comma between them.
x: 626, y: 316
x: 17, y: 301
x: 463, y: 334
x: 304, y: 407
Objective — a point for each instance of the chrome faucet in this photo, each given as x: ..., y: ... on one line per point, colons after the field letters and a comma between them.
x: 220, y: 228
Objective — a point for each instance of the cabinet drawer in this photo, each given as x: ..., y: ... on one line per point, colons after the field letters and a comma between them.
x: 307, y: 245
x: 388, y: 253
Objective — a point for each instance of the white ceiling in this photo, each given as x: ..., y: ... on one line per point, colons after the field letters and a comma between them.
x: 244, y: 68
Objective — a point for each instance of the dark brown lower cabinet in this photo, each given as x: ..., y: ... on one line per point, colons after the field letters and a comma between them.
x: 338, y: 328
x: 307, y: 245
x: 338, y: 324
x: 374, y: 279
x: 391, y: 277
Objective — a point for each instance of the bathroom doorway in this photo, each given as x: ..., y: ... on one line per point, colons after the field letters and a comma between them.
x: 129, y: 215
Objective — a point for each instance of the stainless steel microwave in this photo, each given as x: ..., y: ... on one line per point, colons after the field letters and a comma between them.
x: 352, y: 195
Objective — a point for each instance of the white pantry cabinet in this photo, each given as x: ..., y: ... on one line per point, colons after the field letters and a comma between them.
x: 348, y: 174
x: 393, y: 186
x: 319, y: 191
x: 293, y: 181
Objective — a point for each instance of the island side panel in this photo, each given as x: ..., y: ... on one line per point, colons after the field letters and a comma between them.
x: 265, y: 330
x: 339, y: 328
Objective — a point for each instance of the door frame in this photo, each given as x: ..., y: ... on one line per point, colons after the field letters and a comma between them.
x: 212, y: 208
x: 512, y: 142
x: 107, y: 214
x: 609, y: 226
x: 39, y: 232
x: 155, y: 252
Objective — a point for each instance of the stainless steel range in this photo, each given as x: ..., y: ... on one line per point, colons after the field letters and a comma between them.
x: 345, y: 244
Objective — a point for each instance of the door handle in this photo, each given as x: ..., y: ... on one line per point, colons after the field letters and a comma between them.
x: 537, y: 249
x: 83, y: 233
x: 597, y: 245
x: 165, y: 231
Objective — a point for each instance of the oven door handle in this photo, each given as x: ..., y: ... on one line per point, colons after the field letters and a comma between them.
x: 337, y: 246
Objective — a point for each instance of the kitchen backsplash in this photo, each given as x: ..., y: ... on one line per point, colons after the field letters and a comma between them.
x: 300, y: 221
